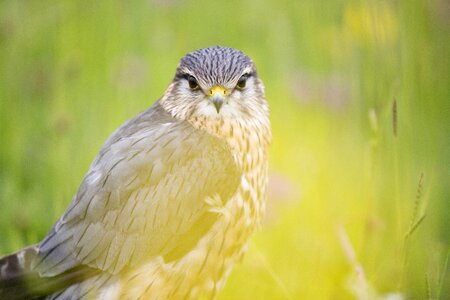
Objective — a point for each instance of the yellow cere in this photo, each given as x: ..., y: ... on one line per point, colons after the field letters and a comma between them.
x: 218, y: 89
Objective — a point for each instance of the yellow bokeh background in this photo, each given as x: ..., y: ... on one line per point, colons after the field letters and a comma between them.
x: 360, y: 106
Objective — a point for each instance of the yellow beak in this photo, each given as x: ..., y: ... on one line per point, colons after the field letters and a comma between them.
x: 218, y: 96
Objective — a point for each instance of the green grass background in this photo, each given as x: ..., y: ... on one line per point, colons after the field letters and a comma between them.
x: 359, y: 201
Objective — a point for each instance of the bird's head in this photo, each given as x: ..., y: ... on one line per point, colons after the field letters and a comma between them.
x: 216, y: 83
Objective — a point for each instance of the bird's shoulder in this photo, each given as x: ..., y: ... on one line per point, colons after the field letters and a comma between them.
x: 154, y: 178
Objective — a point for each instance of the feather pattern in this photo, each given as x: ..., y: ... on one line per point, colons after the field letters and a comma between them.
x: 170, y: 201
x: 143, y: 189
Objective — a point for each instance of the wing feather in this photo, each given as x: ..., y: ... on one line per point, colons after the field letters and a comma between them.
x: 144, y: 196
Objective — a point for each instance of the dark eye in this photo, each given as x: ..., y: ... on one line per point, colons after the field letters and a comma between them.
x: 193, y: 84
x: 242, y: 81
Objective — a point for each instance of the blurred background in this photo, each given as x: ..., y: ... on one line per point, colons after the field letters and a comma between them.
x: 360, y: 107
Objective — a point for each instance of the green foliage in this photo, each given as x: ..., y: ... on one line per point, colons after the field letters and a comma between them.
x: 359, y: 193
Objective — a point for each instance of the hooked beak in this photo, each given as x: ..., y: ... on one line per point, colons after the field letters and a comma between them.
x: 218, y: 96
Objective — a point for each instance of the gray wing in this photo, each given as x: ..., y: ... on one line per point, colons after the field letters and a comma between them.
x: 145, y: 195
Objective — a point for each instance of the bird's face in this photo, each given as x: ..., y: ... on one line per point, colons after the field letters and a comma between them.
x: 216, y: 83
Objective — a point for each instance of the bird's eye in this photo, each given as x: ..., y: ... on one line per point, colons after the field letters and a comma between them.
x: 193, y: 84
x: 242, y: 81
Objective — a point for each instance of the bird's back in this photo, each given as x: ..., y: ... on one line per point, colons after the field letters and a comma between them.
x: 168, y: 205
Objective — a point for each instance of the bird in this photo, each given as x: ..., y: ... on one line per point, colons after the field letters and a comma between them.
x: 171, y: 200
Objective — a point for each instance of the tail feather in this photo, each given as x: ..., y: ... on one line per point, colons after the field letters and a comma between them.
x: 18, y: 280
x: 15, y: 274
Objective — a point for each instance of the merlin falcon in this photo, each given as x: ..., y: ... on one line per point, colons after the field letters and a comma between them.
x: 169, y: 203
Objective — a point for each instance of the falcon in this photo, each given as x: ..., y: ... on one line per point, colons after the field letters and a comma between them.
x: 169, y: 203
